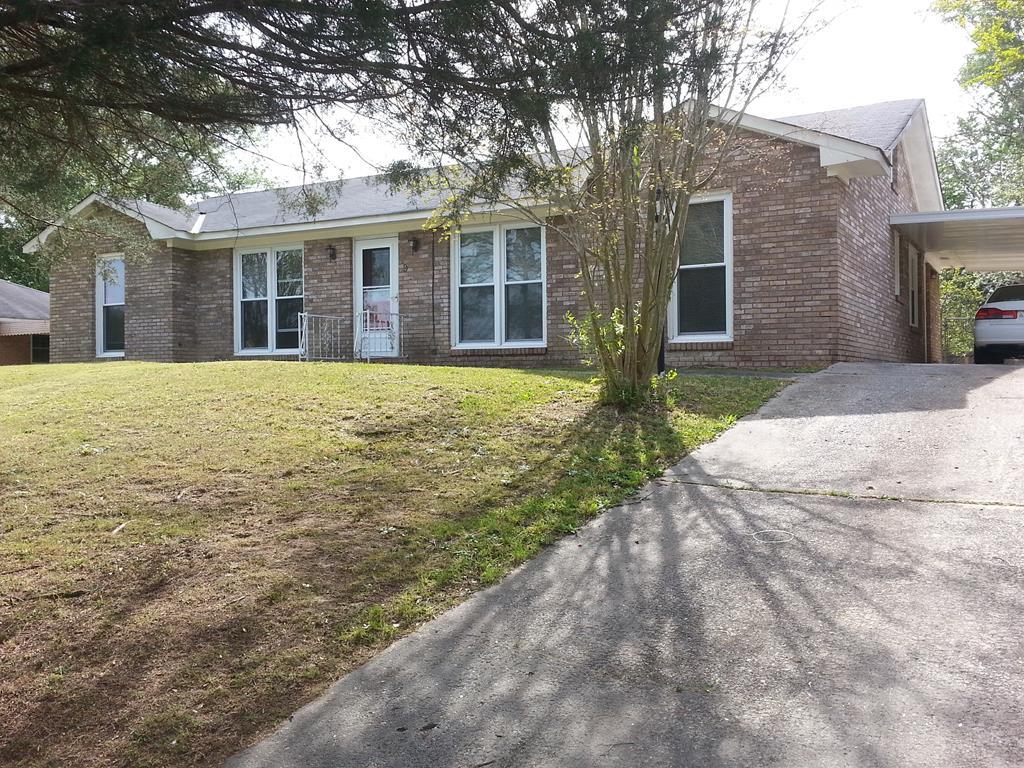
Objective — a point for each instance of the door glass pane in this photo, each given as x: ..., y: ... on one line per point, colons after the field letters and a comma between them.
x: 524, y: 316
x: 113, y: 281
x: 378, y: 302
x: 254, y: 324
x: 476, y: 258
x: 289, y: 272
x: 704, y: 237
x: 476, y: 313
x: 287, y: 334
x: 522, y: 254
x: 254, y: 275
x: 113, y: 328
x: 376, y: 267
x: 702, y: 300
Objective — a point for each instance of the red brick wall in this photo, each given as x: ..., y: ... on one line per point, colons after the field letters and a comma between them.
x: 15, y: 350
x: 875, y: 322
x: 812, y: 272
x: 73, y: 310
x: 206, y: 320
x: 785, y: 260
x: 425, y: 303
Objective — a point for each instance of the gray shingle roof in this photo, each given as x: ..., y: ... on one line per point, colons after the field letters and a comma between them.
x: 349, y: 199
x: 19, y: 302
x: 172, y: 217
x: 877, y: 125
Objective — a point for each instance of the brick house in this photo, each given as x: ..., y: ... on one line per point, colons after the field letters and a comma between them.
x: 797, y: 265
x: 24, y: 324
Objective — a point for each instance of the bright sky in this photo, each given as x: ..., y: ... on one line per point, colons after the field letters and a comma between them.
x: 871, y: 51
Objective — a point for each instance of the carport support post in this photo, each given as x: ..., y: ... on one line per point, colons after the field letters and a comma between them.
x: 923, y: 277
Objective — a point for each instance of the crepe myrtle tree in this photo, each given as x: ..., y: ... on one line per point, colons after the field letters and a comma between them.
x: 643, y: 100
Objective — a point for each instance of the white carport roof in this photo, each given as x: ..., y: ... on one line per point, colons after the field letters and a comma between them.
x: 981, y: 239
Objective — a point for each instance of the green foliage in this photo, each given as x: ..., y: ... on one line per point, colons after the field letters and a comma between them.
x: 997, y: 30
x: 961, y: 293
x: 983, y: 163
x: 615, y: 133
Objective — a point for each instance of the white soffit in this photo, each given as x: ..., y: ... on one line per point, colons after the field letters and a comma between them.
x: 982, y: 239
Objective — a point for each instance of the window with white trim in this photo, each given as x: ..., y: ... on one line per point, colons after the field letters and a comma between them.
x: 913, y: 280
x: 498, y: 293
x: 701, y: 304
x: 269, y: 290
x: 110, y: 307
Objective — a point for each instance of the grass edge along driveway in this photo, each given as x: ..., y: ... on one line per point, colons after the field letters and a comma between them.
x: 190, y: 552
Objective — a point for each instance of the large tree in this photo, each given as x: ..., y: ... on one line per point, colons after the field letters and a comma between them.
x: 645, y: 100
x: 140, y: 98
x: 982, y: 164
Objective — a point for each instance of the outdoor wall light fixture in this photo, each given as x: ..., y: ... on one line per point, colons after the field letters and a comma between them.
x: 414, y: 243
x: 332, y: 252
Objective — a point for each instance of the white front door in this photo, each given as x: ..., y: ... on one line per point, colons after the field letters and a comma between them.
x: 376, y: 298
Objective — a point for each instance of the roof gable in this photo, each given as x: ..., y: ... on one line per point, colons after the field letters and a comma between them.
x: 877, y: 125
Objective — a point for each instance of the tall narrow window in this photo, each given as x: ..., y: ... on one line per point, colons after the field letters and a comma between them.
x: 701, y: 304
x: 476, y: 287
x: 110, y: 307
x: 913, y: 285
x: 270, y: 287
x: 524, y: 288
x: 499, y: 287
x: 255, y: 302
x: 288, y: 300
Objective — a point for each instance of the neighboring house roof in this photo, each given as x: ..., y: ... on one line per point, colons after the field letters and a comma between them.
x: 19, y: 302
x: 878, y: 125
x: 852, y: 142
x: 23, y: 310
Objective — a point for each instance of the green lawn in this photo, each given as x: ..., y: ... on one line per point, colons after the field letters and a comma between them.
x: 190, y: 552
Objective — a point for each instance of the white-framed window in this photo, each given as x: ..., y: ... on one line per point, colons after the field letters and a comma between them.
x: 897, y: 276
x: 269, y: 289
x: 110, y: 313
x: 913, y: 285
x: 498, y: 286
x: 701, y: 305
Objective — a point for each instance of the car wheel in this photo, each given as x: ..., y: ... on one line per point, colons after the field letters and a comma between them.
x: 984, y: 356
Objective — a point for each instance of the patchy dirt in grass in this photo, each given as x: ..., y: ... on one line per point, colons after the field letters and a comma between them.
x: 190, y: 552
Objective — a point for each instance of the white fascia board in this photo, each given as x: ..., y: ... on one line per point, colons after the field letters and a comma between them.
x: 384, y: 224
x: 924, y: 170
x: 224, y: 238
x: 157, y: 231
x: 842, y: 157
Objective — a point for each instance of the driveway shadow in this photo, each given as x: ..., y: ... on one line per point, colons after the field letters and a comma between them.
x: 700, y: 626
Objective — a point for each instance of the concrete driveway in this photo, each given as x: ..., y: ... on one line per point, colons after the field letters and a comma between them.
x: 837, y: 581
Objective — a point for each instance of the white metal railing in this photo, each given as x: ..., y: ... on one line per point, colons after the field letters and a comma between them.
x: 378, y: 334
x: 327, y: 337
x: 323, y: 337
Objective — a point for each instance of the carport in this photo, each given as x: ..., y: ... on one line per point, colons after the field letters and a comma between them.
x: 981, y: 240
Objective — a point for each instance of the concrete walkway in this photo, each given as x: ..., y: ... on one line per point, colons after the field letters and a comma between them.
x: 775, y: 600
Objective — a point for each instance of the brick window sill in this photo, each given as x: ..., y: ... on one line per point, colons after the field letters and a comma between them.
x: 698, y: 346
x: 497, y: 351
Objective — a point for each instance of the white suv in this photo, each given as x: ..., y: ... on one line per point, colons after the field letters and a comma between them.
x: 999, y: 326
